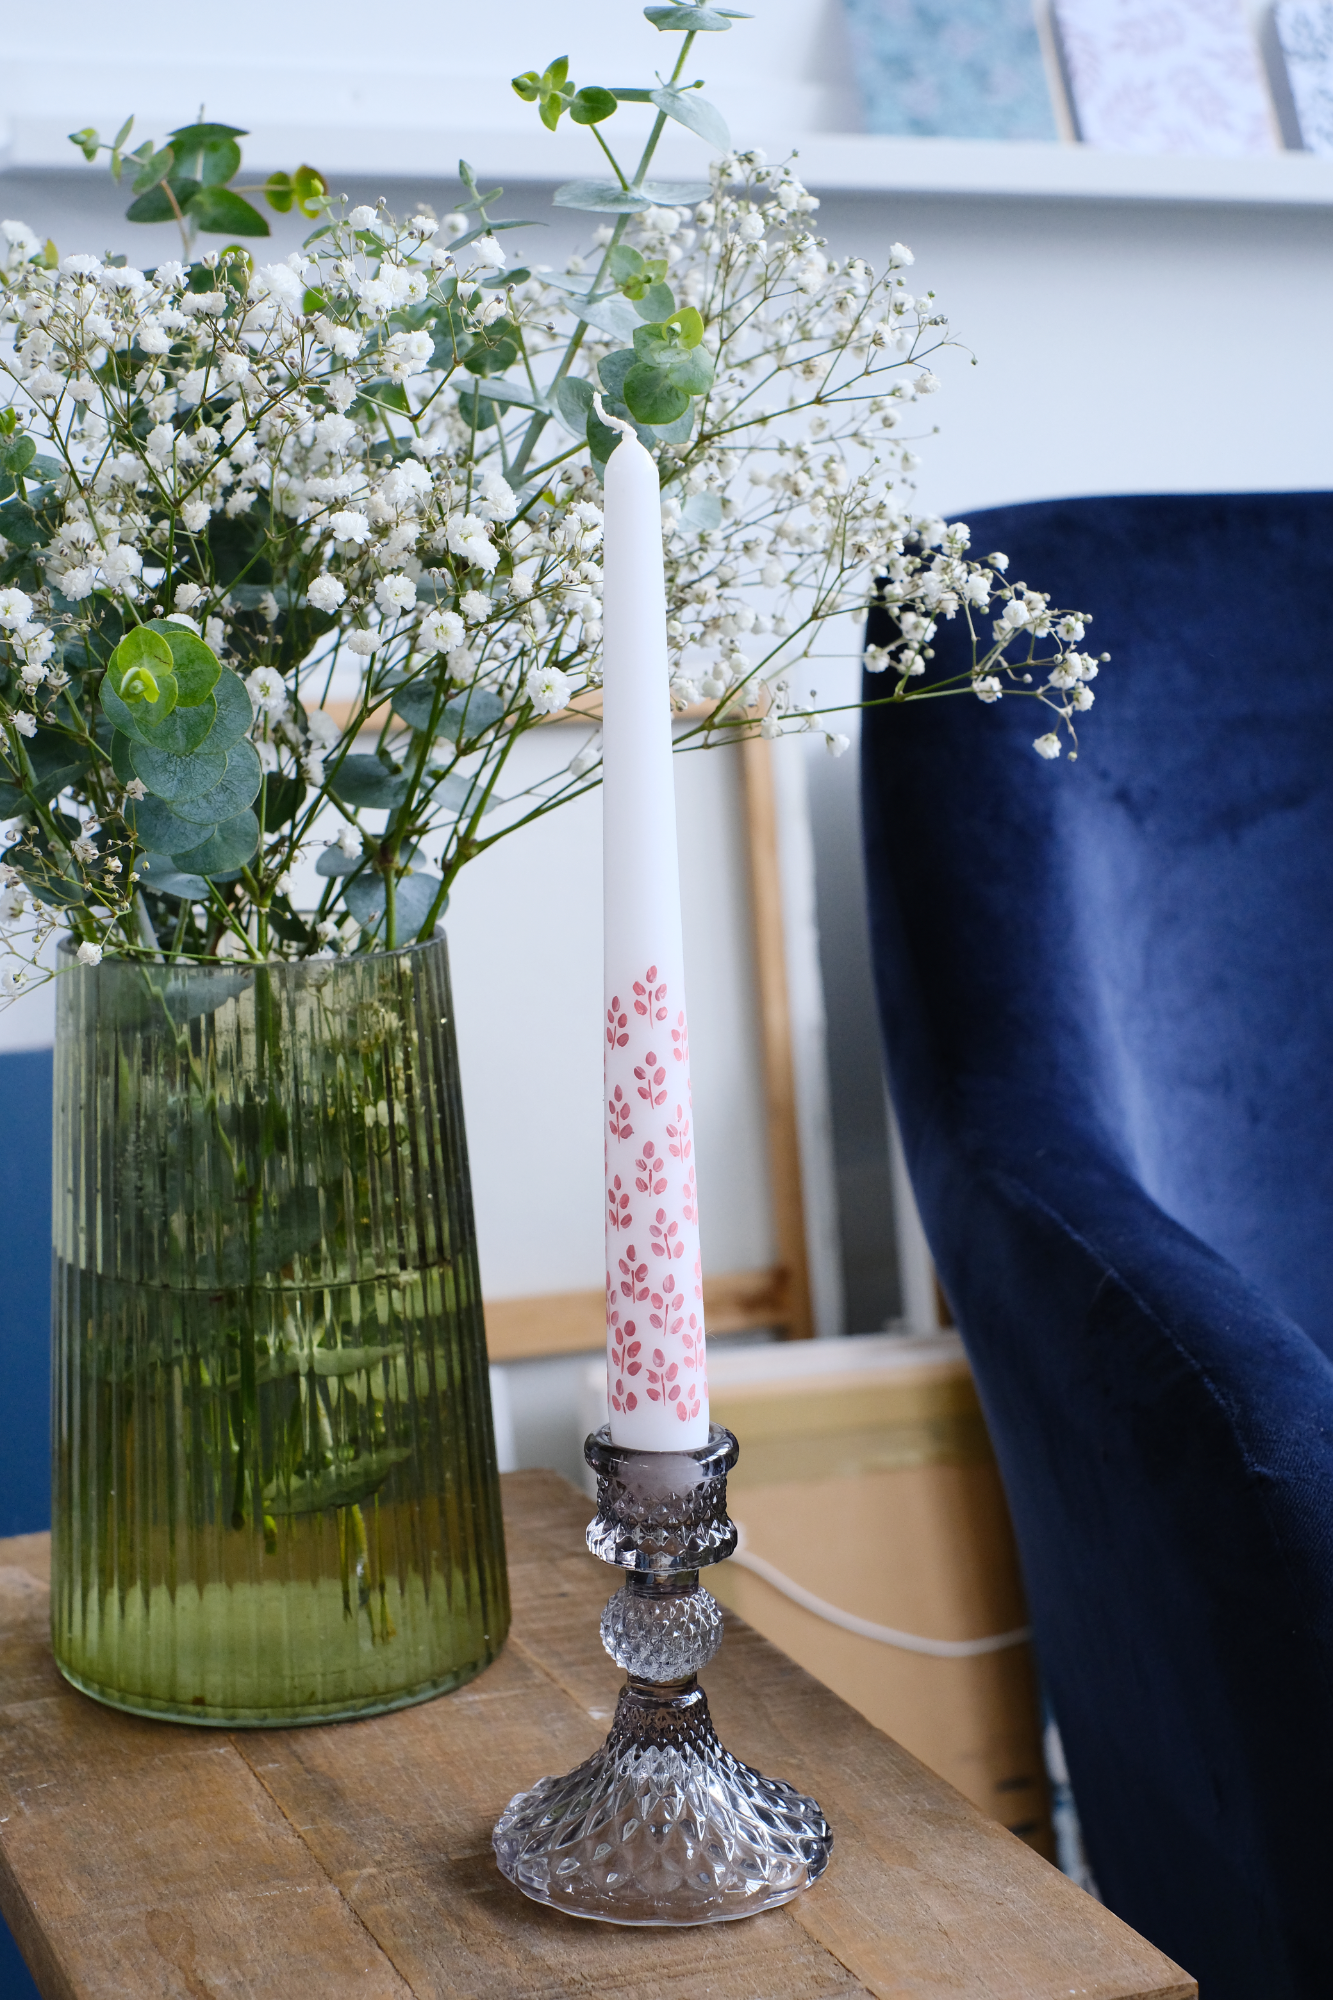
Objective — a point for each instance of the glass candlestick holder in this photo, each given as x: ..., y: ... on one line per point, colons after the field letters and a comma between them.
x: 663, y: 1825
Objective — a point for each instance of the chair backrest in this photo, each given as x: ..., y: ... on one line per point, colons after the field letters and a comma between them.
x: 1107, y: 992
x: 1147, y: 934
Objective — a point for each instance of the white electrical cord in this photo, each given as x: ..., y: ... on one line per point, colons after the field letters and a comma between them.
x: 884, y: 1635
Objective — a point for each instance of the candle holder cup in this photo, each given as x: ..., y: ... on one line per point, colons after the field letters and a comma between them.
x: 663, y: 1825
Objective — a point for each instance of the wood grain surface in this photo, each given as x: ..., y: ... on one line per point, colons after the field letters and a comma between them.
x: 140, y: 1858
x: 770, y: 959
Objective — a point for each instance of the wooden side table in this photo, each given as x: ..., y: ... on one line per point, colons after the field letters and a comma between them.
x: 355, y: 1859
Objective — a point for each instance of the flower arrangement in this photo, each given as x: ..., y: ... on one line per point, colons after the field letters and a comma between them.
x: 293, y: 553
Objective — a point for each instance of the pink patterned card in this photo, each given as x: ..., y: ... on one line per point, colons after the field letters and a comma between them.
x: 1305, y: 32
x: 1166, y: 76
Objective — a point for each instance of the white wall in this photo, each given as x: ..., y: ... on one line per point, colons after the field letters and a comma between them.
x: 525, y: 946
x: 352, y: 84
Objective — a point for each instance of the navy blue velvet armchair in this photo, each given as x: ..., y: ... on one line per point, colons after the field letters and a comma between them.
x: 1107, y: 997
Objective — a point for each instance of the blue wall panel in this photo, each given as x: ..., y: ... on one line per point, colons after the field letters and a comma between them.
x: 964, y: 69
x: 25, y: 1292
x: 16, y: 1982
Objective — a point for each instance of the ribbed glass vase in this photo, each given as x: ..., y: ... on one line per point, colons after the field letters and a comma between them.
x: 275, y: 1484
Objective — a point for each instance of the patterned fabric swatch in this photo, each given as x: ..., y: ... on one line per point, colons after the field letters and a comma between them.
x: 1166, y: 76
x: 968, y: 69
x: 1305, y: 30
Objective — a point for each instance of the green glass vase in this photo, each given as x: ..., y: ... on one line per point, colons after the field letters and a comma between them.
x: 275, y: 1490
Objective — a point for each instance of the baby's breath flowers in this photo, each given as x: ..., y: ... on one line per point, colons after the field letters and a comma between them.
x: 352, y: 499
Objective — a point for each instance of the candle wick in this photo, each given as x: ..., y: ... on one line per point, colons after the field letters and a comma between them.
x: 612, y: 423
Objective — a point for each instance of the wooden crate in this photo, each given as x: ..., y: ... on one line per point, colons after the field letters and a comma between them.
x: 866, y: 1476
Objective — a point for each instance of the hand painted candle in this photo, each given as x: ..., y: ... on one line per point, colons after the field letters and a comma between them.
x: 657, y: 1387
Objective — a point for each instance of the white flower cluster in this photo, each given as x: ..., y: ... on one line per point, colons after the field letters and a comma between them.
x: 347, y: 471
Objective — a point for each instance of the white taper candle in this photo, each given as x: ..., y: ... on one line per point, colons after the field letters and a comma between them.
x: 657, y: 1386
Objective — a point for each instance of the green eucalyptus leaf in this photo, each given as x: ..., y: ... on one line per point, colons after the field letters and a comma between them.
x: 158, y: 829
x: 155, y: 167
x: 55, y: 761
x: 334, y: 862
x: 609, y: 313
x: 665, y: 341
x: 184, y: 730
x: 228, y: 847
x: 352, y: 1360
x: 600, y: 197
x: 222, y: 212
x: 692, y: 111
x: 414, y: 701
x: 513, y: 392
x: 656, y: 303
x: 208, y: 152
x: 195, y: 665
x: 623, y: 262
x: 676, y: 194
x: 180, y: 732
x: 157, y: 205
x: 470, y: 715
x: 591, y: 105
x: 161, y: 875
x: 528, y: 86
x: 491, y: 228
x: 690, y: 323
x: 611, y: 198
x: 338, y: 1486
x: 22, y: 529
x: 652, y: 396
x: 476, y: 410
x: 573, y: 401
x: 329, y: 1361
x: 494, y: 349
x: 175, y: 778
x: 613, y: 368
x: 703, y: 512
x: 693, y: 372
x: 364, y: 780
x: 311, y: 190
x: 283, y: 798
x: 141, y: 650
x: 458, y: 794
x: 237, y: 788
x: 365, y: 898
x: 141, y: 680
x: 693, y: 20
x: 279, y: 193
x: 17, y: 454
x: 235, y: 711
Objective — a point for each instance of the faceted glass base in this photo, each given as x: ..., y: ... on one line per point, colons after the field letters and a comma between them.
x: 662, y: 1826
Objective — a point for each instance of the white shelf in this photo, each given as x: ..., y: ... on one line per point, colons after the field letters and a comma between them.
x: 829, y: 162
x: 860, y: 161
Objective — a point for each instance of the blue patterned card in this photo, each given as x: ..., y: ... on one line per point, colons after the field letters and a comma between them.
x: 965, y: 69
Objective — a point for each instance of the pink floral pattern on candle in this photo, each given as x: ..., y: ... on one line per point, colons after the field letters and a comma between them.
x: 617, y: 1111
x: 655, y: 1323
x: 623, y: 1354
